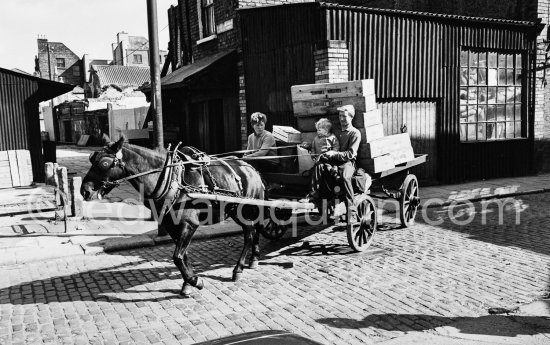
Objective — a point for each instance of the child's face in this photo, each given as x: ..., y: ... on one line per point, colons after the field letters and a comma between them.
x: 322, y: 132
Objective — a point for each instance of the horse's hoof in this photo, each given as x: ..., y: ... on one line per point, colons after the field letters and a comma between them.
x: 186, y: 290
x: 200, y: 284
x: 237, y: 276
x: 253, y: 264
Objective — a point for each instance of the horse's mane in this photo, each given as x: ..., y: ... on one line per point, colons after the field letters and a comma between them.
x: 146, y: 156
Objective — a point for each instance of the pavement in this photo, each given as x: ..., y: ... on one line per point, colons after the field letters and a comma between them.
x: 30, y: 232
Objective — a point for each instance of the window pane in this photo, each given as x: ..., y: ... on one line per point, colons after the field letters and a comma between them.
x: 491, y: 131
x: 482, y: 76
x: 509, y: 130
x: 463, y: 113
x: 509, y: 112
x: 481, y: 131
x: 500, y: 130
x: 491, y: 112
x: 482, y: 113
x: 492, y: 95
x: 472, y: 113
x: 510, y: 77
x: 518, y: 94
x: 473, y: 59
x: 517, y: 131
x: 510, y: 94
x: 518, y: 77
x: 463, y: 132
x: 492, y: 76
x: 464, y: 58
x: 502, y: 60
x: 502, y: 76
x: 472, y: 132
x: 464, y: 76
x: 482, y: 95
x: 493, y: 59
x: 463, y: 95
x: 501, y: 95
x: 518, y: 112
x: 473, y: 76
x: 518, y: 61
x: 482, y: 60
x: 500, y: 112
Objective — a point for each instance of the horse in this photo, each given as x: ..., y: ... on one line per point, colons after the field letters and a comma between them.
x: 165, y: 184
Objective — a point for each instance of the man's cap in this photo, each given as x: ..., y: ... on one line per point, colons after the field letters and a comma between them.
x: 349, y: 108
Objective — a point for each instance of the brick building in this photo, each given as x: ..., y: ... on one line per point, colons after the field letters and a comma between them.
x: 202, y: 30
x: 133, y: 51
x: 57, y: 62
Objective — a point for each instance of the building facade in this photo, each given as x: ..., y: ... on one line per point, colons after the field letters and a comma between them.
x: 298, y: 43
x: 133, y: 51
x: 57, y: 62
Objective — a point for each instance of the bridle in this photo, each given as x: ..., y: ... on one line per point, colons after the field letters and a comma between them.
x: 105, y: 164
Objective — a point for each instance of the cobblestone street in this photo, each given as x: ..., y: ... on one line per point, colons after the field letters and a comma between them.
x: 410, y: 279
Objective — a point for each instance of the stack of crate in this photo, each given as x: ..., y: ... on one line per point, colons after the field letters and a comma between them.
x: 376, y: 151
x: 15, y: 168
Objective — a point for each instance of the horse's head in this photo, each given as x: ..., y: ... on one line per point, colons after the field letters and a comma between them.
x: 107, y: 166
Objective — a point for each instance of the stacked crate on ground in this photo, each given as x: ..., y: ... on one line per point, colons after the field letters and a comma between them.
x: 15, y: 168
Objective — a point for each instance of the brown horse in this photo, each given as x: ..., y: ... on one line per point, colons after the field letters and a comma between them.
x: 165, y: 193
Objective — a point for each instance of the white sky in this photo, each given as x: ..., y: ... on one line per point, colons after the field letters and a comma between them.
x: 84, y: 26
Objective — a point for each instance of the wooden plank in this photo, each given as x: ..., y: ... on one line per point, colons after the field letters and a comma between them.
x: 284, y: 204
x: 3, y: 156
x: 330, y: 90
x: 385, y: 145
x: 24, y: 166
x: 14, y: 170
x: 376, y: 165
x: 329, y: 106
x: 83, y: 140
x: 307, y: 124
x: 286, y: 134
x: 418, y: 159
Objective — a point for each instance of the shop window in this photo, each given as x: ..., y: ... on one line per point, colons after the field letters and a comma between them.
x: 491, y: 93
x: 138, y: 59
x: 60, y: 62
x: 207, y: 18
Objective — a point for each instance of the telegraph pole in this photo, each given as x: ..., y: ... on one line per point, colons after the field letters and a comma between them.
x: 154, y: 62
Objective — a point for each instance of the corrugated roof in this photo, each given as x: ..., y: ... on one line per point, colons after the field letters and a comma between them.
x: 432, y: 15
x: 179, y: 76
x: 429, y: 15
x: 122, y: 76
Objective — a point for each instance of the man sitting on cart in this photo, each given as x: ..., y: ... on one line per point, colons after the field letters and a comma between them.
x: 324, y: 186
x: 262, y: 143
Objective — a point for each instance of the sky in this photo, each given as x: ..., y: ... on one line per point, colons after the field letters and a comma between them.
x: 84, y: 26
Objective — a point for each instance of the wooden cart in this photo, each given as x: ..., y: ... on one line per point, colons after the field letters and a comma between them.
x: 360, y: 234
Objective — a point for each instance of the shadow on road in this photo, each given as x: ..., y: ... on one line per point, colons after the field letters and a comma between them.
x: 493, y: 325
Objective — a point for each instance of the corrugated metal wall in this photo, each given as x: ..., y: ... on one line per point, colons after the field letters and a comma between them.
x: 274, y: 60
x: 418, y: 58
x: 419, y: 118
x: 19, y: 119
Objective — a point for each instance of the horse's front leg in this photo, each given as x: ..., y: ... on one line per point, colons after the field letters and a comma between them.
x: 248, y: 231
x: 181, y: 262
x: 255, y: 258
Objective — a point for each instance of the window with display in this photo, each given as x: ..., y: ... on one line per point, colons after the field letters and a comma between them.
x: 491, y: 96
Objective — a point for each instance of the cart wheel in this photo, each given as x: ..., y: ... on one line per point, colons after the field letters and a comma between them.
x: 360, y: 234
x: 273, y: 231
x: 409, y: 200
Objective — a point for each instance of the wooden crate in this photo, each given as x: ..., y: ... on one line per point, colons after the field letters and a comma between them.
x: 370, y: 118
x: 332, y: 90
x: 371, y: 133
x: 376, y: 165
x: 402, y: 155
x: 329, y: 106
x: 307, y: 124
x: 286, y: 134
x: 385, y: 145
x: 15, y: 168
